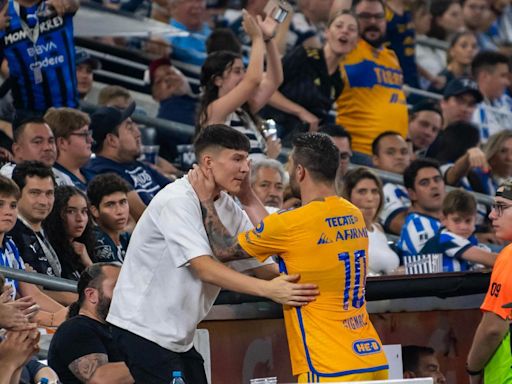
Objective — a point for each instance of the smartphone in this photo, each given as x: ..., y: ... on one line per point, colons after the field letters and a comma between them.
x: 277, y: 9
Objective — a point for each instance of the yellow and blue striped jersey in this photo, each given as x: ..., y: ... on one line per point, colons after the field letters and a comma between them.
x: 326, y: 242
x: 372, y: 100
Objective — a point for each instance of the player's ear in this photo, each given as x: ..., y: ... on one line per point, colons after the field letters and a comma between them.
x: 94, y: 212
x: 301, y: 172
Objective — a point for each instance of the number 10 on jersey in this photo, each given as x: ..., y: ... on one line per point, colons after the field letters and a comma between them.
x: 359, y: 278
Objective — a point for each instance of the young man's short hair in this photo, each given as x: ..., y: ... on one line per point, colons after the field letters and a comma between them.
x: 412, y: 170
x: 487, y: 61
x: 64, y: 121
x: 104, y: 185
x: 411, y: 355
x: 317, y: 153
x: 376, y: 142
x: 221, y: 136
x: 30, y: 169
x: 336, y: 130
x: 460, y: 202
x: 355, y: 3
x: 8, y: 188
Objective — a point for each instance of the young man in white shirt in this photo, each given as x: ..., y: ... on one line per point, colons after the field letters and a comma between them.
x: 170, y: 277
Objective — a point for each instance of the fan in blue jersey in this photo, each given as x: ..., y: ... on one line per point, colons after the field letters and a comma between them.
x: 391, y: 153
x: 118, y: 145
x: 425, y: 186
x: 39, y: 48
x: 109, y: 206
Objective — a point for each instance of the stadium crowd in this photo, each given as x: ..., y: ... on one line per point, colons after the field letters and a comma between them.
x: 421, y: 89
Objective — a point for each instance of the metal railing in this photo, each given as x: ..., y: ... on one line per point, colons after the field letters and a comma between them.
x: 51, y: 282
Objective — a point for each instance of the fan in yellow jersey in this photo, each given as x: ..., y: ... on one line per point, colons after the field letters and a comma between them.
x: 372, y: 100
x: 326, y: 242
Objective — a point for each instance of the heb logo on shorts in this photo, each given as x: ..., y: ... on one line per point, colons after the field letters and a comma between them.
x: 366, y: 347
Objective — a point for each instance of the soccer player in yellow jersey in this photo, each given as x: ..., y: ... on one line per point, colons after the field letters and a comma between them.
x: 372, y: 100
x: 325, y: 241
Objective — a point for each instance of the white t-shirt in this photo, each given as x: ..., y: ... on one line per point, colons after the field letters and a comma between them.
x: 157, y: 295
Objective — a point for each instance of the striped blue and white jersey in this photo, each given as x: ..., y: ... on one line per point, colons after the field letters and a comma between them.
x: 10, y: 258
x: 396, y: 200
x: 417, y: 230
x: 450, y: 247
x: 493, y: 116
x: 40, y: 52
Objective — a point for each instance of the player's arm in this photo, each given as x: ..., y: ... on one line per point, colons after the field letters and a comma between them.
x: 94, y: 368
x: 488, y: 336
x: 282, y: 289
x: 223, y: 244
x: 480, y: 256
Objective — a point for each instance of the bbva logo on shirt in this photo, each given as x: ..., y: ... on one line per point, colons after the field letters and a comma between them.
x: 141, y: 178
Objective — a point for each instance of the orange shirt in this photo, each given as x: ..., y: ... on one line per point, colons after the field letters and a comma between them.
x: 500, y: 287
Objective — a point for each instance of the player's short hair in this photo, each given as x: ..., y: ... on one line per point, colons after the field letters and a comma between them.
x: 411, y: 355
x: 220, y: 136
x: 105, y: 184
x: 412, y: 170
x: 376, y: 141
x: 317, y: 153
x: 460, y: 202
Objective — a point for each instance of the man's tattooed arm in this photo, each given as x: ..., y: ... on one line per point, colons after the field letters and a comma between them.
x: 224, y: 246
x: 84, y: 367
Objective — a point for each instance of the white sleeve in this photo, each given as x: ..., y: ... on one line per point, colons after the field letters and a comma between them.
x: 396, y: 200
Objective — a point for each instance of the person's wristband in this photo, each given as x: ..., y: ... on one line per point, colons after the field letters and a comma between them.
x: 473, y: 373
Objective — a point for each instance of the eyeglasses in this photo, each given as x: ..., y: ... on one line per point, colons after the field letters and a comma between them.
x: 368, y: 16
x: 499, y: 208
x: 85, y: 135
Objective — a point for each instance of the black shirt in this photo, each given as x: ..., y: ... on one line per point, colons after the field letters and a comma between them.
x: 78, y: 337
x: 30, y: 248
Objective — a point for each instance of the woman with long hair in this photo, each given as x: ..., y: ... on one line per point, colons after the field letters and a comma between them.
x: 312, y: 79
x: 70, y: 230
x: 363, y: 188
x: 233, y: 96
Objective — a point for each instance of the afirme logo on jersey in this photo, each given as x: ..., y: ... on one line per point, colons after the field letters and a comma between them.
x: 45, y: 26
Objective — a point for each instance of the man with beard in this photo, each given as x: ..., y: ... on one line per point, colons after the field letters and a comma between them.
x: 372, y: 100
x: 82, y: 350
x: 326, y: 242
